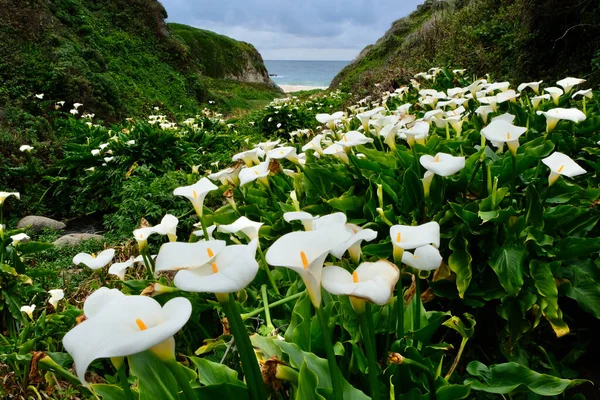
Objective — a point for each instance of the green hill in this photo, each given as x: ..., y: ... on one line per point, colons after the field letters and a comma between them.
x: 117, y: 57
x: 518, y: 40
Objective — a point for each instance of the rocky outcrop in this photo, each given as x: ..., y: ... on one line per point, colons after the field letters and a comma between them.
x: 74, y: 239
x: 36, y: 223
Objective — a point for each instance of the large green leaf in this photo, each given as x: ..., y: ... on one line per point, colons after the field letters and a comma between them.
x: 460, y: 263
x: 110, y: 392
x: 582, y: 284
x: 225, y: 391
x: 307, y: 384
x: 544, y: 282
x: 507, y: 262
x: 453, y: 392
x: 299, y: 330
x: 212, y: 373
x: 534, y: 209
x: 155, y: 381
x: 572, y: 247
x: 505, y: 378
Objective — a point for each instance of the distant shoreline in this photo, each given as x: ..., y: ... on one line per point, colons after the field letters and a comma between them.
x: 297, y: 88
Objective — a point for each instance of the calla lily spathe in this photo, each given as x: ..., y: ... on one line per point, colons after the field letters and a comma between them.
x: 587, y: 93
x: 555, y: 93
x: 568, y: 83
x: 371, y: 281
x: 410, y: 237
x: 56, y: 295
x: 250, y: 157
x: 287, y: 152
x: 19, y: 237
x: 535, y: 86
x: 244, y: 225
x: 175, y: 256
x: 561, y: 164
x: 353, y: 244
x: 196, y: 193
x: 168, y: 226
x: 501, y: 131
x: 5, y: 195
x: 260, y: 172
x: 425, y: 258
x: 305, y: 253
x: 556, y: 114
x: 119, y: 269
x: 95, y: 261
x: 28, y: 310
x: 126, y: 325
x: 442, y: 164
x: 329, y: 120
x: 232, y: 270
x: 354, y: 138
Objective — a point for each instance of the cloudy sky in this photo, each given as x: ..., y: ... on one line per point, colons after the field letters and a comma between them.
x: 295, y: 29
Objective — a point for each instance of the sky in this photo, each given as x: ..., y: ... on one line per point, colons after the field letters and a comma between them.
x: 295, y: 29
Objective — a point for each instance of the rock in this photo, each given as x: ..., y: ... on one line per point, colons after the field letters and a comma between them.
x: 37, y: 224
x: 73, y: 239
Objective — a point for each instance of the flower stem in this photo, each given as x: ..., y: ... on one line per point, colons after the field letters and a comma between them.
x: 366, y: 330
x: 249, y: 364
x: 267, y: 269
x: 147, y: 264
x: 400, y: 309
x: 265, y: 299
x: 417, y: 299
x: 124, y: 383
x: 182, y: 379
x: 334, y: 371
x: 272, y: 305
x: 463, y: 343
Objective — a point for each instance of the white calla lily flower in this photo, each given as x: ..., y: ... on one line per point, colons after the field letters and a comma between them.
x: 305, y: 253
x: 141, y: 236
x: 371, y: 281
x: 409, y: 237
x: 419, y: 130
x: 561, y: 164
x: 230, y: 271
x: 259, y: 172
x: 354, y: 138
x: 328, y: 119
x: 287, y: 152
x: 56, y: 295
x: 536, y: 100
x: 5, y: 195
x: 314, y: 144
x: 250, y: 157
x: 175, y: 256
x: 196, y: 193
x: 501, y: 131
x: 442, y: 164
x: 587, y: 93
x: 424, y: 258
x: 209, y: 230
x: 127, y: 325
x: 555, y: 93
x: 95, y: 261
x: 19, y: 237
x: 338, y: 151
x: 366, y: 116
x: 353, y: 244
x: 226, y: 176
x: 96, y: 301
x: 505, y: 117
x: 568, y: 83
x: 168, y: 226
x: 119, y: 269
x: 554, y: 115
x: 28, y: 310
x: 244, y: 225
x: 268, y: 146
x: 535, y: 86
x: 26, y: 148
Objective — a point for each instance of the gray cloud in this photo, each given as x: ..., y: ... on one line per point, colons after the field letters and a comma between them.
x: 309, y: 29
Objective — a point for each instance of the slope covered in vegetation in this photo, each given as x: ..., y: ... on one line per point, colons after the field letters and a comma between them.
x: 517, y: 40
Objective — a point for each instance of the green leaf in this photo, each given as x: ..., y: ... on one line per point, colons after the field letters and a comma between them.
x: 223, y: 391
x: 155, y: 381
x: 307, y: 384
x: 544, y: 282
x: 460, y: 263
x: 299, y: 330
x: 14, y: 305
x: 534, y: 209
x: 507, y: 262
x: 347, y: 202
x: 572, y: 247
x: 212, y: 373
x: 466, y: 330
x: 505, y: 378
x: 33, y: 247
x: 583, y: 285
x: 453, y: 392
x: 8, y: 269
x: 109, y: 392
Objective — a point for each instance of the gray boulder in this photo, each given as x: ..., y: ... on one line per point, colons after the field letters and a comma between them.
x: 38, y: 224
x: 73, y: 239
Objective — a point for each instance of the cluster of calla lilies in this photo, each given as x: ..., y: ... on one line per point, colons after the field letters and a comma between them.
x: 117, y: 325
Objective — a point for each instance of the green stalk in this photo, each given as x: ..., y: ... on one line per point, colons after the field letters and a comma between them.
x: 368, y: 335
x: 124, y: 383
x: 267, y: 269
x: 417, y: 298
x: 182, y: 379
x: 265, y: 299
x: 430, y: 378
x: 48, y: 364
x: 272, y: 305
x: 463, y: 343
x: 147, y: 263
x: 203, y: 226
x: 334, y: 370
x: 249, y: 363
x: 400, y: 309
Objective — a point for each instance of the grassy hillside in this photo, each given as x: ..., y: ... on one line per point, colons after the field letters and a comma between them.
x: 220, y: 56
x: 518, y: 40
x: 117, y: 57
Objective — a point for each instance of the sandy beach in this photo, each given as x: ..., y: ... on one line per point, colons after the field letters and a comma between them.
x: 297, y: 88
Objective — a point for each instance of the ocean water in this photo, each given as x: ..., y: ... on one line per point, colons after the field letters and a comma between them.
x: 304, y: 73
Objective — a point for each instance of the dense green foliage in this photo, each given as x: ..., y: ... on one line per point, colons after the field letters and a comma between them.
x: 516, y: 40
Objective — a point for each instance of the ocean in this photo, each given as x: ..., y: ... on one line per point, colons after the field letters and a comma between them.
x: 304, y: 73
